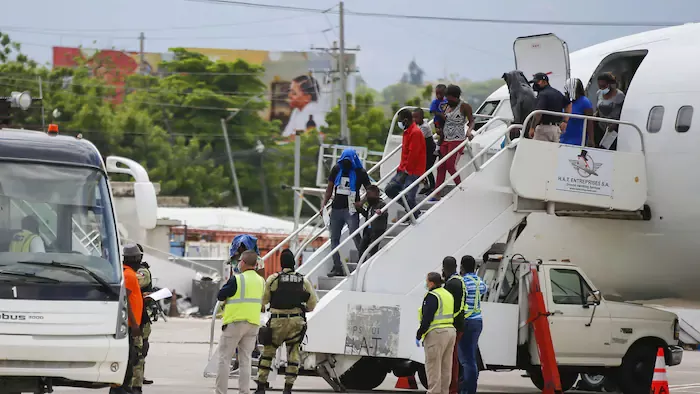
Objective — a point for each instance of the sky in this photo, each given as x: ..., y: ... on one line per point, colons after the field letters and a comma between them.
x: 477, y: 51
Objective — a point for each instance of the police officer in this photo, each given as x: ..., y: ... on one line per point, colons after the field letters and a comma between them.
x: 145, y: 283
x: 243, y: 295
x: 290, y: 296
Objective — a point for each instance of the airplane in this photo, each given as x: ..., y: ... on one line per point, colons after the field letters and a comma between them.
x: 634, y: 260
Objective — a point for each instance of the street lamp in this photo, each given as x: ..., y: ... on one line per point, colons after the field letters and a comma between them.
x: 233, y: 113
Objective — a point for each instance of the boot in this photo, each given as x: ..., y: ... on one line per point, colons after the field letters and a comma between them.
x: 261, y: 387
x: 136, y: 390
x: 287, y: 388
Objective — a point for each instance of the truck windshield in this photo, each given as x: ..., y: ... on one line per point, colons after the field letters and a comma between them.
x: 56, y: 213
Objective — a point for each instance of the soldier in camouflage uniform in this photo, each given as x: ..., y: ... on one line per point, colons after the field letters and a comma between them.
x: 290, y: 296
x: 144, y: 276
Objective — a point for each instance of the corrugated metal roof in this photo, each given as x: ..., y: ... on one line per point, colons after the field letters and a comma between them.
x: 228, y: 219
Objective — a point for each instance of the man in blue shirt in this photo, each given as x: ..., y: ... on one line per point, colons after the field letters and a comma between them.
x: 475, y: 287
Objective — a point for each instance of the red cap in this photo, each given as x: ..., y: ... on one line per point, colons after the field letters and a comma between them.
x: 53, y: 128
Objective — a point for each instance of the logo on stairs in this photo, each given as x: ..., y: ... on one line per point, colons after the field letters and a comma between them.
x: 584, y: 164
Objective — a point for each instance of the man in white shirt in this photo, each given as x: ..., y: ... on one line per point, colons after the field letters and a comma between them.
x: 28, y: 240
x: 307, y: 112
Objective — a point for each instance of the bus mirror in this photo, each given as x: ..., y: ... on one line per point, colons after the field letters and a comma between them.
x: 146, y: 204
x: 144, y: 191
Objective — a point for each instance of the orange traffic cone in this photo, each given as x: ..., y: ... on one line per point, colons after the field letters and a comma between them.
x: 407, y: 382
x: 659, y: 385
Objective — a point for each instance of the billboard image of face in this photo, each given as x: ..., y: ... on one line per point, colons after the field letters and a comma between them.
x: 301, y: 87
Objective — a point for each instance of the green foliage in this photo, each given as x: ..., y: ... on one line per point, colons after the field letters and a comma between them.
x: 171, y: 123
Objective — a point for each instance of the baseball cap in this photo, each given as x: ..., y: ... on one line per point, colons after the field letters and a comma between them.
x: 539, y: 77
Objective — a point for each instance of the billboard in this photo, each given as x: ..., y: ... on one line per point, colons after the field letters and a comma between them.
x: 302, y: 87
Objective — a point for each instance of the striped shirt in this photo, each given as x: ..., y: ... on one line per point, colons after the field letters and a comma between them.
x: 471, y: 280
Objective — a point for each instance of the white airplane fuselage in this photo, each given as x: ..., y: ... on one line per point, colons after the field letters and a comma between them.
x: 639, y: 259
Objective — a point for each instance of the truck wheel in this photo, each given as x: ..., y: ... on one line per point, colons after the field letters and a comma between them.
x: 366, y: 374
x: 590, y: 382
x: 637, y: 370
x: 568, y: 379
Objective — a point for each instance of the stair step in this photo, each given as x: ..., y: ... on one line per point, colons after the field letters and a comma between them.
x: 352, y: 266
x: 398, y: 229
x: 321, y: 293
x: 326, y: 283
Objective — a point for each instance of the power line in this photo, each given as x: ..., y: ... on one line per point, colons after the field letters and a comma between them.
x: 135, y: 37
x: 150, y: 29
x: 450, y: 19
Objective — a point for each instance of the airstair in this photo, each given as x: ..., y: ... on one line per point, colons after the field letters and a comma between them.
x: 372, y: 313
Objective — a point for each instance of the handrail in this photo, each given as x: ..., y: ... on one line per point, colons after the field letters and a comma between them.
x: 393, y: 201
x: 427, y: 198
x: 585, y: 117
x: 318, y: 214
x: 177, y: 259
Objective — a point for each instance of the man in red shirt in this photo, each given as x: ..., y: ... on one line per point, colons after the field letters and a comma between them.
x: 413, y: 159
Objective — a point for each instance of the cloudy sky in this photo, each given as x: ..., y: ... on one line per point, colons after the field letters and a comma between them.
x: 474, y: 50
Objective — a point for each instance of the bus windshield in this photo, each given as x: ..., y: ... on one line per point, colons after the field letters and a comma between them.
x: 51, y: 213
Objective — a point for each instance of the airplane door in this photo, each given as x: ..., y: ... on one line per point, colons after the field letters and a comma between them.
x: 544, y: 53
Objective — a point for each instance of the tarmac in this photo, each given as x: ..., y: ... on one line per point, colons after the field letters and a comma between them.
x: 180, y: 347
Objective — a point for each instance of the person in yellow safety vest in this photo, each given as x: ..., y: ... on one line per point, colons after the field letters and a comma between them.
x: 28, y: 240
x: 472, y: 325
x: 455, y: 285
x: 438, y: 334
x: 243, y: 295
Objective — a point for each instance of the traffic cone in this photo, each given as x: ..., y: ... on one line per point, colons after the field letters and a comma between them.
x: 659, y: 385
x: 407, y: 382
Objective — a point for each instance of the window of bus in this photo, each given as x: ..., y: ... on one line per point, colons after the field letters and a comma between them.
x: 57, y: 213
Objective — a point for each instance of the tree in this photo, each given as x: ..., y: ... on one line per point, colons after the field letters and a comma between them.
x: 414, y: 76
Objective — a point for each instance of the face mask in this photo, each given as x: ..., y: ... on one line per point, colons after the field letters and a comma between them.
x: 372, y: 200
x: 604, y: 91
x: 452, y: 104
x: 401, y: 126
x: 346, y: 164
x: 536, y: 87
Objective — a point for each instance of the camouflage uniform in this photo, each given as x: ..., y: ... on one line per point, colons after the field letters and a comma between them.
x: 287, y: 330
x: 141, y: 343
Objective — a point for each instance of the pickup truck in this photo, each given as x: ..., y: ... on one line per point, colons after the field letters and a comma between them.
x: 590, y: 334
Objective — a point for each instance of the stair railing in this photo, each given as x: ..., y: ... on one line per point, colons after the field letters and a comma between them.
x: 393, y: 201
x: 318, y: 214
x: 427, y: 198
x: 505, y: 134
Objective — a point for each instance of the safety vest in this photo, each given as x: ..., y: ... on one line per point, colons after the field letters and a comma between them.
x: 21, y: 241
x: 444, y: 315
x: 245, y: 305
x: 477, y: 299
x: 462, y: 306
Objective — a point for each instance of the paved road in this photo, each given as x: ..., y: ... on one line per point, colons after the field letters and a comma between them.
x: 179, y: 351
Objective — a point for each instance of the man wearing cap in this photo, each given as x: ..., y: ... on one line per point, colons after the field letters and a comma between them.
x: 290, y: 296
x: 132, y: 262
x: 241, y: 321
x: 143, y: 274
x: 546, y: 127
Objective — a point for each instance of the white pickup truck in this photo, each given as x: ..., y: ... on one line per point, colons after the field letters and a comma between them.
x: 591, y: 335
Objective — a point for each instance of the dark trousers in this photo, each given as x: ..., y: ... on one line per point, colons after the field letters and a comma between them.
x: 368, y: 237
x: 430, y: 160
x: 467, y: 355
x: 454, y: 384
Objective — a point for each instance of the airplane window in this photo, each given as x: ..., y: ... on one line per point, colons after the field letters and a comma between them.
x: 656, y: 117
x: 684, y: 118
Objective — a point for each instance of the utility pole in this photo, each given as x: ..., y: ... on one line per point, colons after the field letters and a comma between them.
x: 344, y: 133
x: 338, y: 52
x: 230, y: 162
x: 297, y: 182
x: 142, y: 59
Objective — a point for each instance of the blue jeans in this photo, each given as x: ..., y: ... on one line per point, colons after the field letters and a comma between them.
x: 411, y: 195
x: 467, y: 355
x: 339, y: 218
